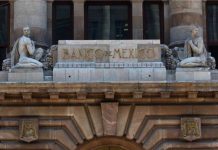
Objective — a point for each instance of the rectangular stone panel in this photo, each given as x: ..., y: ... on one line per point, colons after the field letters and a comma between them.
x: 26, y: 75
x: 109, y: 117
x: 109, y: 51
x: 193, y: 74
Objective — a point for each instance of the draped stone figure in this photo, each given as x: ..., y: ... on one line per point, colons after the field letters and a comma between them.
x: 197, y: 53
x: 24, y: 53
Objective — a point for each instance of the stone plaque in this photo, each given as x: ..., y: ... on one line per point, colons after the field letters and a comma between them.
x: 28, y: 129
x: 191, y: 128
x: 109, y: 51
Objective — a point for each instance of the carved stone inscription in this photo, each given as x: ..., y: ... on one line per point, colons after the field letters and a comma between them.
x: 28, y: 130
x: 102, y: 53
x: 191, y: 128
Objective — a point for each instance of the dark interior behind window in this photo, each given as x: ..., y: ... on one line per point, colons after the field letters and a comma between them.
x: 62, y: 21
x: 108, y: 20
x: 153, y: 20
x: 212, y: 28
x: 4, y: 30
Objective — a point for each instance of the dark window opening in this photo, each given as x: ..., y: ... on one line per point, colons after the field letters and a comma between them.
x: 62, y: 21
x: 108, y: 20
x: 4, y: 30
x: 153, y: 15
x: 212, y: 29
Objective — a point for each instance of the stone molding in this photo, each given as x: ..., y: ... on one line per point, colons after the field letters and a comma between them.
x: 110, y: 65
x: 78, y: 93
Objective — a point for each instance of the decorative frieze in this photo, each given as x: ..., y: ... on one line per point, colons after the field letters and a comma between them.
x: 109, y: 65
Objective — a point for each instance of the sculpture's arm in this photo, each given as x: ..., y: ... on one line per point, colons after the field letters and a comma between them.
x: 199, y: 48
x: 30, y: 47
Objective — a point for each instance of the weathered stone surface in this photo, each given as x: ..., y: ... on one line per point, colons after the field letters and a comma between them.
x: 109, y: 51
x: 109, y: 61
x: 137, y: 119
x: 81, y: 118
x: 28, y: 129
x: 122, y: 119
x: 191, y: 128
x: 95, y: 112
x: 26, y: 75
x: 109, y: 117
x: 193, y: 74
x: 3, y: 76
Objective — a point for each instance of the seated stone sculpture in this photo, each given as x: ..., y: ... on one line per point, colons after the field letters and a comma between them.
x: 24, y: 53
x: 197, y: 53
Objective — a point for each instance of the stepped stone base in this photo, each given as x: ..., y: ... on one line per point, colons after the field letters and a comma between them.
x: 26, y: 75
x: 110, y: 74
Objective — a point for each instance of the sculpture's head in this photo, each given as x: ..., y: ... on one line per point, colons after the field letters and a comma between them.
x: 26, y: 31
x: 195, y: 32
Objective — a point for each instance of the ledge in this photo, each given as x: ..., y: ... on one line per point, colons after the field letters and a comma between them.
x: 49, y: 93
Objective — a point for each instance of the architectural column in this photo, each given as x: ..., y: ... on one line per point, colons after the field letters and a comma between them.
x: 32, y: 13
x: 137, y: 19
x: 78, y: 19
x: 183, y: 15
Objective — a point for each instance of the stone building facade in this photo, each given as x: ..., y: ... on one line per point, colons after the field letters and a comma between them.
x: 108, y: 115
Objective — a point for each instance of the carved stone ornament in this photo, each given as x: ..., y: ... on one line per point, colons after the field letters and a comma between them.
x: 191, y: 128
x: 28, y: 129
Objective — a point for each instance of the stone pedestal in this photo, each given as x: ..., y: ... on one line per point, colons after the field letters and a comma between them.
x: 193, y: 74
x: 3, y: 76
x: 26, y: 75
x: 109, y: 61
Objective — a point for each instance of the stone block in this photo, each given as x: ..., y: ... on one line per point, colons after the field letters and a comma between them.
x: 122, y: 119
x: 95, y: 112
x: 109, y: 51
x: 72, y: 75
x: 97, y: 75
x: 3, y: 76
x: 109, y: 117
x: 159, y: 74
x: 122, y: 74
x: 59, y: 74
x: 147, y: 74
x: 109, y: 75
x: 84, y: 75
x: 134, y: 74
x: 26, y: 75
x: 201, y: 76
x: 193, y: 74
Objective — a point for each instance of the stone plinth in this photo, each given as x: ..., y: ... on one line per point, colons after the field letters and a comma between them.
x: 109, y: 60
x: 193, y: 74
x: 3, y: 76
x: 26, y: 75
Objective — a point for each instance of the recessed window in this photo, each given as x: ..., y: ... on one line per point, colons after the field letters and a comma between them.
x: 62, y: 21
x: 108, y: 20
x: 152, y: 20
x: 4, y: 30
x: 212, y: 28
